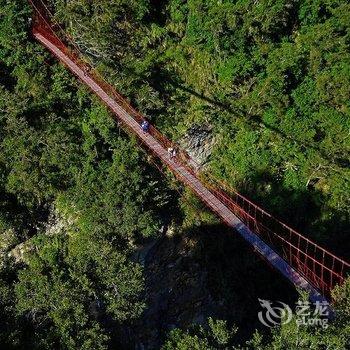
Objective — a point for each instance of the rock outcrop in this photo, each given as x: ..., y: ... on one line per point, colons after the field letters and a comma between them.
x: 198, y: 142
x: 176, y: 291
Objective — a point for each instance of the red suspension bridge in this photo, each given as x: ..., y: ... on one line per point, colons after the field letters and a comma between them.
x: 304, y: 263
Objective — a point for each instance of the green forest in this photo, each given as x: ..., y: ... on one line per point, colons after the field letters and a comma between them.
x: 79, y: 197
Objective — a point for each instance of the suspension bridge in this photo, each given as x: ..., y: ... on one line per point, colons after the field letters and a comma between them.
x: 304, y: 263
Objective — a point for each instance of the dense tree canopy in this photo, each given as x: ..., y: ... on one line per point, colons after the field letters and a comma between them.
x: 61, y: 151
x: 272, y: 80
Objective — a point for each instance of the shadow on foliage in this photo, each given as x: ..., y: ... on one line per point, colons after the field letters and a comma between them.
x: 238, y: 277
x: 256, y: 121
x: 157, y: 13
x: 305, y: 211
x: 208, y: 272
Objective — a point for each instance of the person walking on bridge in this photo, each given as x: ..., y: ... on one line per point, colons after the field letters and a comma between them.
x: 145, y: 126
x: 172, y: 152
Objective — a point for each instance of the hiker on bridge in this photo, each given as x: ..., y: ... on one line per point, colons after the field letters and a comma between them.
x: 86, y: 70
x: 172, y: 152
x: 145, y: 126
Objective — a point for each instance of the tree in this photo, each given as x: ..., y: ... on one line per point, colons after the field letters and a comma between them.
x: 217, y: 335
x: 71, y: 284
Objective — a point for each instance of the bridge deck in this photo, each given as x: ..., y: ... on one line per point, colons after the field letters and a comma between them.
x: 184, y: 175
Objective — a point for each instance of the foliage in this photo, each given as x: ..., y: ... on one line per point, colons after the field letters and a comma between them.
x: 289, y: 336
x: 71, y: 282
x: 60, y: 150
x: 271, y: 77
x: 216, y: 336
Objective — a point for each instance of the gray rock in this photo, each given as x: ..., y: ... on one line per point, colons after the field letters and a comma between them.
x: 198, y: 142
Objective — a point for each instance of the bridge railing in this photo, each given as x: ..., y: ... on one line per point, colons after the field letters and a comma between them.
x: 320, y: 267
